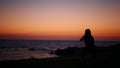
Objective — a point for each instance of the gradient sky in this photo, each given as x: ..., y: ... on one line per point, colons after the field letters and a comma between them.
x: 59, y: 19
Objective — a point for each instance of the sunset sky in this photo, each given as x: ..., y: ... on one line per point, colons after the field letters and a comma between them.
x: 59, y: 19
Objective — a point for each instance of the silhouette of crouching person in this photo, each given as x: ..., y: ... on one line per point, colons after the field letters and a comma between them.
x: 90, y: 48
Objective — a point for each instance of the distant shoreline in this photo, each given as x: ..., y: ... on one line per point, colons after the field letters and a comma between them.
x: 57, y: 40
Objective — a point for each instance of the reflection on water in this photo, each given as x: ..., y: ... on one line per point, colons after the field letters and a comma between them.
x: 22, y: 53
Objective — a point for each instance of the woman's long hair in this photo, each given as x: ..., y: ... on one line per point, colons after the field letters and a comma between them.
x: 87, y: 32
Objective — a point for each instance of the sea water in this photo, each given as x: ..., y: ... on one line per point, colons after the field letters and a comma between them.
x: 25, y: 49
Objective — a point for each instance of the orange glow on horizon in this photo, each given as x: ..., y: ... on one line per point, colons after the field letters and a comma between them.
x: 59, y: 20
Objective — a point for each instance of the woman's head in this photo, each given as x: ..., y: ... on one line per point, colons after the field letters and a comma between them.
x: 87, y: 32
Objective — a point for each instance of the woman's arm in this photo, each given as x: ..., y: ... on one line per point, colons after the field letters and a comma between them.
x: 82, y: 38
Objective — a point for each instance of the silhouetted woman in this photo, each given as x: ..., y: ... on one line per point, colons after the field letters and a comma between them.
x: 89, y: 42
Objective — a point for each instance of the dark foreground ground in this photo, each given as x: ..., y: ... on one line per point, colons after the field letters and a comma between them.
x: 108, y: 57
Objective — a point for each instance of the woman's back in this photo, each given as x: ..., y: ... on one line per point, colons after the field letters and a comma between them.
x: 89, y: 41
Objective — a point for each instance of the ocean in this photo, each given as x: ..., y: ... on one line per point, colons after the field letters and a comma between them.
x: 25, y: 49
